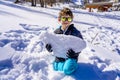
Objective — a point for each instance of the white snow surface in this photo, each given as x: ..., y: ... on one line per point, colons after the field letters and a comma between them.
x: 23, y: 55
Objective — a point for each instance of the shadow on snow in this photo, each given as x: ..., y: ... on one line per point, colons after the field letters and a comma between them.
x: 87, y: 71
x: 6, y: 64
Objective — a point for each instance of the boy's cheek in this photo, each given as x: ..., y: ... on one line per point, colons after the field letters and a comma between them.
x: 59, y: 19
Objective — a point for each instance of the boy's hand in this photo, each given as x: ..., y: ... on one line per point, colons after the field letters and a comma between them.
x: 72, y: 54
x: 49, y: 47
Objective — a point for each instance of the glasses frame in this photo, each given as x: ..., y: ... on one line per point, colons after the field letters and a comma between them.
x: 69, y: 19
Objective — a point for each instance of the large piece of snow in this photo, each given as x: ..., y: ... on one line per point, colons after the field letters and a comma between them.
x: 61, y: 43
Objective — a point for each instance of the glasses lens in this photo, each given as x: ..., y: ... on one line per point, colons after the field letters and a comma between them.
x: 63, y: 19
x: 69, y: 19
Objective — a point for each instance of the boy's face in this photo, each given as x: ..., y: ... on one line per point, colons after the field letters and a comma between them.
x: 65, y: 20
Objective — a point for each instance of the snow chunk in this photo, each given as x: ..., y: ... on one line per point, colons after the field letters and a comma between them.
x: 62, y: 43
x: 6, y: 52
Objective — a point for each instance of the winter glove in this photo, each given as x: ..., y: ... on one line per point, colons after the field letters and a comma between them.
x: 49, y: 47
x: 72, y: 54
x: 59, y: 59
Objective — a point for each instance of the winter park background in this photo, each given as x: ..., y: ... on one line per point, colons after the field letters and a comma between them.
x: 23, y: 56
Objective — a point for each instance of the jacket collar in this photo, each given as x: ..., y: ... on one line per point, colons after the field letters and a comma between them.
x: 68, y: 28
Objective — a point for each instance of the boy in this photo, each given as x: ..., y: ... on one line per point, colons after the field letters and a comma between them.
x: 68, y: 65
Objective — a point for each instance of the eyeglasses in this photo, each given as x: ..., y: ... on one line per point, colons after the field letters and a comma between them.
x: 66, y: 19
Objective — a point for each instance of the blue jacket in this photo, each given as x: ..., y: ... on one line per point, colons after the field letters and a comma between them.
x: 70, y: 31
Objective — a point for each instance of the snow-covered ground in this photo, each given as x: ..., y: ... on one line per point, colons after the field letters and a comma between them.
x: 22, y: 56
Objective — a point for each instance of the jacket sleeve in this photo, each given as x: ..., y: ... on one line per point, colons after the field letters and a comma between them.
x: 80, y: 35
x: 77, y: 33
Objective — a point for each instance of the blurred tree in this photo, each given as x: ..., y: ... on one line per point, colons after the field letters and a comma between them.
x: 33, y: 2
x: 17, y: 1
